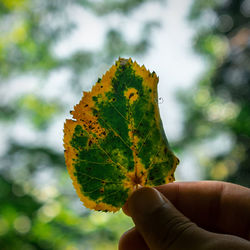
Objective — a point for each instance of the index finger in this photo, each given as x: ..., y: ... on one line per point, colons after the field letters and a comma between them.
x: 216, y: 206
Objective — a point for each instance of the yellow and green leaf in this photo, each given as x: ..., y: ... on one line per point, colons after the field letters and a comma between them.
x: 115, y: 141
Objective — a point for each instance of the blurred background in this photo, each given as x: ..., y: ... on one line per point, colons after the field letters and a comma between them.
x: 50, y: 51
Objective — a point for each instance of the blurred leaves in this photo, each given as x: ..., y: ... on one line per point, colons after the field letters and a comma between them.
x: 220, y: 102
x: 39, y: 208
x: 39, y: 111
x: 103, y: 7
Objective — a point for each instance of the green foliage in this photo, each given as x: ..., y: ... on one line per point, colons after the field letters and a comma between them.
x: 220, y: 104
x: 38, y: 111
x: 123, y: 6
x: 38, y: 203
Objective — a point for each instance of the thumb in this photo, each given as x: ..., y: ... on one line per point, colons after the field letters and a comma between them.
x: 161, y: 225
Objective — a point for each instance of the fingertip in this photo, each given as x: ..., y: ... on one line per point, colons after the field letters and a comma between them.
x: 143, y: 201
x: 125, y: 207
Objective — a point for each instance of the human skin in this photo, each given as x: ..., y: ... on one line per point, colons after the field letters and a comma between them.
x: 206, y: 215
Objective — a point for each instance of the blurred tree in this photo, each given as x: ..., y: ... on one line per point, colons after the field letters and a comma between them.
x: 219, y: 105
x: 39, y: 208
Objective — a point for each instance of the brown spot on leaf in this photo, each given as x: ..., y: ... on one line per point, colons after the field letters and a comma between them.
x: 132, y: 94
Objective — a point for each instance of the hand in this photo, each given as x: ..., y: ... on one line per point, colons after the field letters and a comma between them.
x: 205, y: 215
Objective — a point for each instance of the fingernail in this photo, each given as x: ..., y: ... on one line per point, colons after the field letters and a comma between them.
x: 145, y: 201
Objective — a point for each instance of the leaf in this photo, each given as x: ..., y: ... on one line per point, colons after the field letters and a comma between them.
x: 116, y: 141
